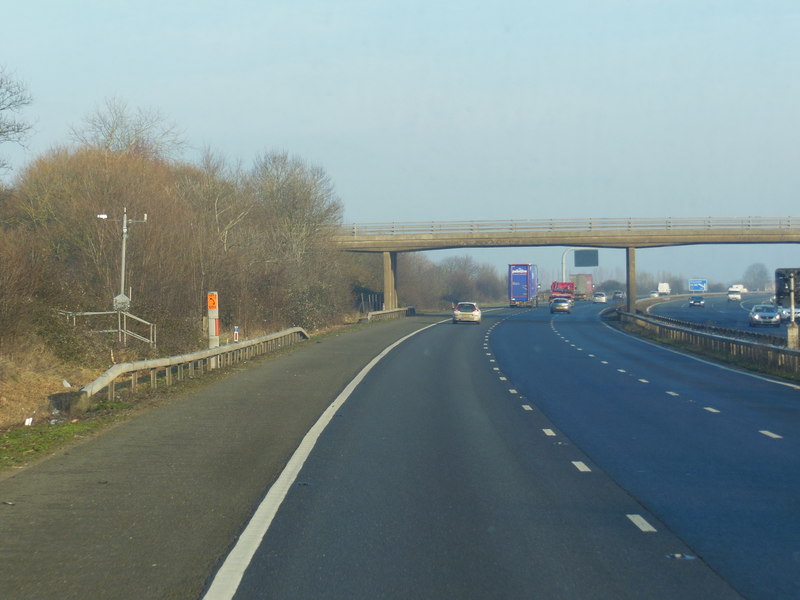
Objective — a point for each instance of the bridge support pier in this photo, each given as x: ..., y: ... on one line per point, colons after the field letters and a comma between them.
x: 389, y: 280
x: 630, y: 279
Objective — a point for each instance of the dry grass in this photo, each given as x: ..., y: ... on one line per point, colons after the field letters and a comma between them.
x: 28, y: 377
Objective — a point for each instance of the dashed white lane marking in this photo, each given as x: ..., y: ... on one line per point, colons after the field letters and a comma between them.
x: 711, y: 410
x: 581, y: 466
x: 527, y: 407
x: 492, y: 360
x: 504, y: 379
x: 513, y: 391
x: 621, y: 371
x: 673, y: 394
x: 603, y: 362
x: 769, y: 434
x: 495, y: 368
x: 488, y: 354
x: 643, y: 381
x: 549, y: 432
x: 641, y: 523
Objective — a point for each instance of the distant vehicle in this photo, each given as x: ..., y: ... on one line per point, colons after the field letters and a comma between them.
x: 734, y: 295
x: 697, y: 301
x: 654, y: 294
x: 562, y: 289
x: 599, y: 297
x: 663, y: 289
x: 523, y: 283
x: 560, y: 305
x: 764, y: 314
x: 786, y: 313
x: 618, y: 295
x: 466, y: 312
x: 737, y: 287
x: 584, y: 286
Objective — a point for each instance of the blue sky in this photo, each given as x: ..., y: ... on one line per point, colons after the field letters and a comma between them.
x: 423, y: 110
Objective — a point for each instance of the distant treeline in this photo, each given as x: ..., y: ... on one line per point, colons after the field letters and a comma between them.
x: 257, y: 236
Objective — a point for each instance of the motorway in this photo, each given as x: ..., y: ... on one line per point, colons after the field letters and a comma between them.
x: 536, y: 456
x: 718, y: 311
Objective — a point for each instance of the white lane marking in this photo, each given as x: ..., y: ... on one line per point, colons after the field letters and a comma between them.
x: 488, y: 354
x: 549, y: 432
x: 227, y: 579
x: 492, y: 360
x: 641, y: 523
x: 591, y: 356
x: 706, y: 362
x: 621, y: 371
x: 769, y: 434
x: 644, y: 381
x: 603, y: 362
x: 504, y: 379
x: 673, y: 394
x: 581, y: 466
x: 579, y: 349
x: 513, y: 391
x: 495, y: 368
x: 711, y: 410
x: 527, y: 407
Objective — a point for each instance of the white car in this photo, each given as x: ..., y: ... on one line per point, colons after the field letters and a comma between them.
x: 466, y: 312
x: 599, y: 297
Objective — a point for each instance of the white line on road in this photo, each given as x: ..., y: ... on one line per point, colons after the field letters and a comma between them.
x: 621, y: 371
x: 641, y: 523
x: 527, y: 407
x: 581, y: 466
x: 711, y: 410
x: 769, y: 434
x: 673, y: 394
x: 504, y: 379
x: 549, y: 432
x: 603, y: 362
x: 644, y: 381
x: 229, y: 576
x: 513, y: 391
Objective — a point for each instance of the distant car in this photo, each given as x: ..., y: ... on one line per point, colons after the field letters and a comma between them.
x: 734, y: 296
x: 618, y: 295
x: 654, y: 294
x: 599, y: 297
x: 697, y: 301
x: 466, y: 312
x: 764, y: 314
x: 786, y: 313
x: 560, y: 305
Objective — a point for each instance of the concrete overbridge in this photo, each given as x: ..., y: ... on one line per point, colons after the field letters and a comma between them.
x: 628, y: 234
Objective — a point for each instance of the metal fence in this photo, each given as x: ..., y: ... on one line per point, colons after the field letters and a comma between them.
x: 767, y: 356
x: 533, y: 225
x: 165, y: 371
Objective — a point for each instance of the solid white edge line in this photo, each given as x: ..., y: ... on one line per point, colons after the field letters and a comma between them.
x: 227, y: 579
x: 706, y: 362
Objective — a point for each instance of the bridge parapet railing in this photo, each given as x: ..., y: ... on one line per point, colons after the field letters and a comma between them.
x: 545, y: 225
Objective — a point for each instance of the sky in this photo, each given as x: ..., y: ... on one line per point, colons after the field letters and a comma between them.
x: 455, y: 110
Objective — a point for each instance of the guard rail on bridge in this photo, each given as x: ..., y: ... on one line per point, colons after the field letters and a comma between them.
x: 606, y: 232
x: 605, y: 224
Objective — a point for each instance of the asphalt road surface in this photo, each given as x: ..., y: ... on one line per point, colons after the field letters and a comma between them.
x: 530, y: 456
x: 542, y: 456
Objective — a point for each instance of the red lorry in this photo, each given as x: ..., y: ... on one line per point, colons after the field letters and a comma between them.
x: 562, y: 289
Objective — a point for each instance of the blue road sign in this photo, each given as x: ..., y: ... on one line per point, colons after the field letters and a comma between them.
x: 698, y: 285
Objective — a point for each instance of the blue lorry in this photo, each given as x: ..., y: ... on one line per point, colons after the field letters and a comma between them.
x: 523, y: 285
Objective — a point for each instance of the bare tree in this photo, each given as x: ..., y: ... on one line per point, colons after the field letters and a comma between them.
x: 13, y: 97
x: 116, y: 128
